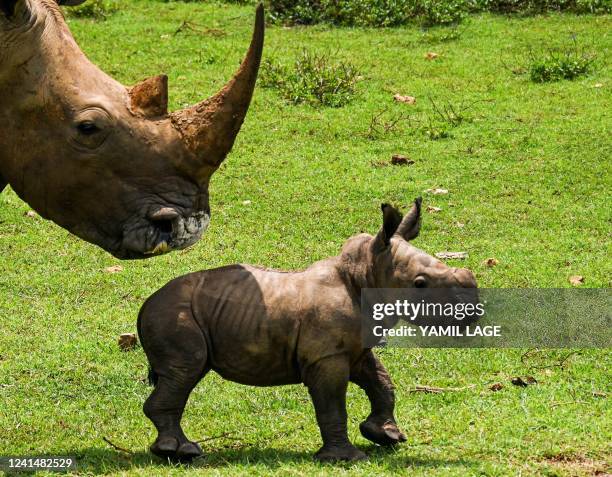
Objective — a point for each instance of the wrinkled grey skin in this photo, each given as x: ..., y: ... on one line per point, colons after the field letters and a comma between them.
x: 106, y: 162
x: 265, y: 328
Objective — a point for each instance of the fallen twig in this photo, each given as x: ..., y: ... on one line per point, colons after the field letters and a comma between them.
x: 559, y: 364
x: 555, y: 404
x: 435, y: 390
x: 200, y: 29
x: 115, y: 446
x: 225, y: 435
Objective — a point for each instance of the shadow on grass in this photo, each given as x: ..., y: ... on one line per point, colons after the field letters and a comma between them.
x: 96, y: 461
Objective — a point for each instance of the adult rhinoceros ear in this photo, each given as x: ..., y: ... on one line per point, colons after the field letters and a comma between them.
x: 150, y: 97
x: 391, y: 221
x: 70, y: 3
x: 411, y: 225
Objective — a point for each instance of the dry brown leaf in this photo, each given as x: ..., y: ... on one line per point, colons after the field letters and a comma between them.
x: 576, y: 280
x: 246, y: 202
x: 491, y: 262
x: 460, y: 224
x: 496, y: 387
x: 452, y: 255
x: 430, y: 55
x: 399, y: 160
x: 523, y: 381
x: 114, y: 269
x: 404, y: 99
x: 127, y: 341
x: 437, y: 191
x: 433, y: 209
x: 30, y: 213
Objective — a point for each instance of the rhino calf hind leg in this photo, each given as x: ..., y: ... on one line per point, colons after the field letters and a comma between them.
x: 380, y: 426
x: 327, y: 381
x: 165, y: 408
x: 176, y: 349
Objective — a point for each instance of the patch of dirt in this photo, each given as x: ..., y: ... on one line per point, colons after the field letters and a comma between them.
x: 578, y: 465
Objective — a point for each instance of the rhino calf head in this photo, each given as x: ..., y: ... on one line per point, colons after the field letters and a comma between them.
x: 106, y: 162
x: 389, y: 260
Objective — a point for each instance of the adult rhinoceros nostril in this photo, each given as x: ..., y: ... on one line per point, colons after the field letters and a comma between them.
x: 164, y: 226
x: 164, y: 218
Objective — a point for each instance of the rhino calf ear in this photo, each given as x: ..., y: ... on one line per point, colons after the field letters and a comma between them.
x: 150, y: 97
x: 411, y: 225
x: 391, y: 221
x: 70, y: 3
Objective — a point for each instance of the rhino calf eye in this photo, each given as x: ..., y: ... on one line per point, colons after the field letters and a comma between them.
x: 87, y: 128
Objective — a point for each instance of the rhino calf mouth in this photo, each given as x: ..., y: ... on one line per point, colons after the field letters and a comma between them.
x: 163, y: 231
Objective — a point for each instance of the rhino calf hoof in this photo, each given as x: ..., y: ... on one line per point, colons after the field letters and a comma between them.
x: 165, y: 447
x: 334, y: 454
x: 188, y: 451
x: 387, y: 434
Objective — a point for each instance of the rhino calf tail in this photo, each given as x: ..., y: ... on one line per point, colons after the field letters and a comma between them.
x: 153, y: 377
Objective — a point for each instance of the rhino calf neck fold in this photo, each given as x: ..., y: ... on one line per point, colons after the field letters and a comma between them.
x: 107, y: 162
x: 264, y: 327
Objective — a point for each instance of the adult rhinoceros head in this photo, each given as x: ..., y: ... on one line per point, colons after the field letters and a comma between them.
x: 106, y: 162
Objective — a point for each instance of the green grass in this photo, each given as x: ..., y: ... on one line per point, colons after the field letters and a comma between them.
x: 528, y: 170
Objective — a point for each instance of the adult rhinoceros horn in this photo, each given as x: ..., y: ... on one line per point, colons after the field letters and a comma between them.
x: 210, y: 127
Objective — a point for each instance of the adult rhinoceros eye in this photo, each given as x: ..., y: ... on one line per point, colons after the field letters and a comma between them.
x: 87, y: 128
x: 90, y: 129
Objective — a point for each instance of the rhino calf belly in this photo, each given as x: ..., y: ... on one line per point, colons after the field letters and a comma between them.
x: 248, y: 346
x: 257, y: 370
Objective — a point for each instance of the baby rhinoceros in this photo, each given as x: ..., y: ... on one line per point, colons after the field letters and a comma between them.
x: 266, y: 328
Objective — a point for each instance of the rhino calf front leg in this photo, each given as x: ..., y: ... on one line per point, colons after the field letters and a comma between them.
x: 380, y: 426
x: 327, y: 381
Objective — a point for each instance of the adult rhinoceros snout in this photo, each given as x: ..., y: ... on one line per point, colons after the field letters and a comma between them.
x: 162, y: 231
x: 187, y: 230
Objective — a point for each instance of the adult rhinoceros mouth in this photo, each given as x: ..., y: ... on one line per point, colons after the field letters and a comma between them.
x: 163, y: 231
